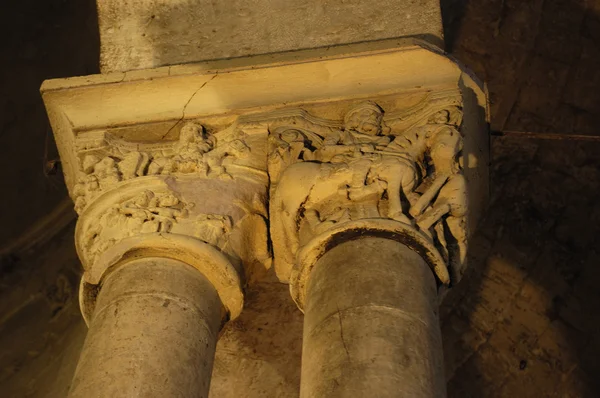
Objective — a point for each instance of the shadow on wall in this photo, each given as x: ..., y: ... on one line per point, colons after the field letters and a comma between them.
x: 452, y: 15
x: 40, y: 40
x: 539, y: 58
x: 525, y: 321
x: 41, y: 330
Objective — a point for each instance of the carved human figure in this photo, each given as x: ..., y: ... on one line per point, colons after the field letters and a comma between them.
x: 400, y: 176
x: 106, y: 172
x: 193, y: 141
x: 377, y: 163
x: 133, y: 165
x: 355, y: 164
x: 87, y: 186
x: 365, y: 121
x: 151, y: 212
x: 195, y: 152
x: 285, y: 148
x: 443, y: 143
x: 97, y: 174
x: 192, y: 145
x: 216, y: 159
x: 374, y: 174
x: 445, y: 198
x: 363, y: 132
x: 146, y: 212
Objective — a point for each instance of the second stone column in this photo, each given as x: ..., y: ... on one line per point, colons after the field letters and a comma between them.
x: 371, y: 325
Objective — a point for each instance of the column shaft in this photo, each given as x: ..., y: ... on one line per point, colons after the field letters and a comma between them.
x: 371, y: 326
x: 153, y: 333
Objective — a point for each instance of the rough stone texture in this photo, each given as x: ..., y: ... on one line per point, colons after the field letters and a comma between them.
x: 258, y: 355
x: 371, y: 324
x: 525, y: 318
x: 41, y: 329
x: 538, y: 57
x: 156, y: 322
x: 139, y: 34
x: 526, y: 322
x: 139, y: 214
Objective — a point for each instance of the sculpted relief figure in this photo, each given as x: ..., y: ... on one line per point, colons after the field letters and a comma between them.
x: 401, y: 167
x: 144, y: 213
x: 195, y: 152
x: 201, y: 193
x: 369, y: 169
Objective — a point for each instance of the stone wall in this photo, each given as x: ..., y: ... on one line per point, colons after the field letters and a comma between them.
x: 139, y: 34
x: 525, y: 322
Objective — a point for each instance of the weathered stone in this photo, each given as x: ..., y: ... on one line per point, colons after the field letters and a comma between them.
x: 141, y: 34
x: 540, y: 95
x: 560, y: 345
x: 582, y: 89
x: 259, y: 353
x: 178, y: 164
x: 156, y: 321
x: 460, y: 340
x: 371, y: 324
x: 55, y: 27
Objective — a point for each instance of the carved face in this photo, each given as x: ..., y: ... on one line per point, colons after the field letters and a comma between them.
x: 366, y: 122
x: 364, y: 119
x: 106, y: 167
x: 441, y: 117
x: 191, y: 132
x: 143, y: 199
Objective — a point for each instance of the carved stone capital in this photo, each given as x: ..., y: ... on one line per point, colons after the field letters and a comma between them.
x: 199, y: 198
x: 384, y: 138
x: 394, y: 173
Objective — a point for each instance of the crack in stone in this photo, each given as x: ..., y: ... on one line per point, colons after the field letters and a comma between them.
x: 187, y: 103
x: 342, y: 331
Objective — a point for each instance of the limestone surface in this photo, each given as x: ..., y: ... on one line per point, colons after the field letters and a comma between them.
x: 138, y: 34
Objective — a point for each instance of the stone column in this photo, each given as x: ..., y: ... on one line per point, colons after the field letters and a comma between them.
x: 371, y: 326
x: 172, y: 224
x: 370, y: 218
x: 152, y: 334
x: 167, y: 233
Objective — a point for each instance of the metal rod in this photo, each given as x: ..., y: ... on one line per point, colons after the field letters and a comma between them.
x: 546, y: 136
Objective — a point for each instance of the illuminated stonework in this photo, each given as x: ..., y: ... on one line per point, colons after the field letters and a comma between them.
x: 211, y: 165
